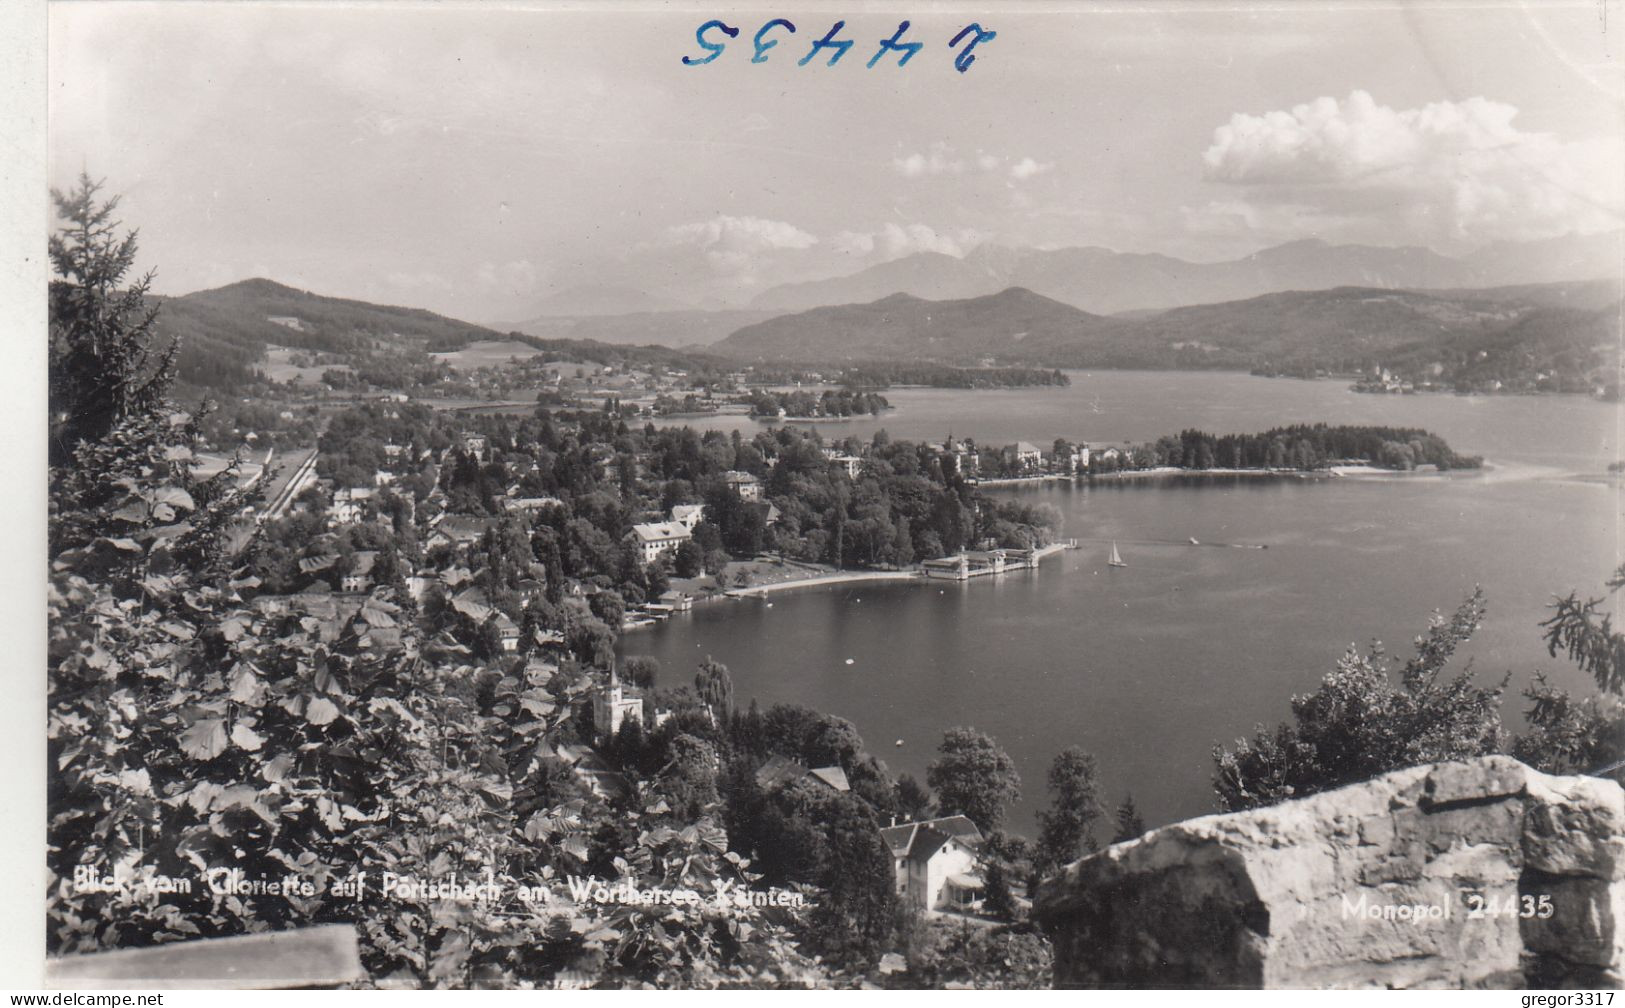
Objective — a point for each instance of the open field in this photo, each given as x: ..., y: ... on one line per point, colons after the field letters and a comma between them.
x: 487, y: 353
x: 278, y: 366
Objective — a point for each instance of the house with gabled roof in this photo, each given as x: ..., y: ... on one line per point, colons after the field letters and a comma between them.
x: 654, y: 538
x: 359, y: 577
x: 937, y: 863
x: 458, y: 530
x: 781, y: 770
x: 688, y: 515
x: 746, y: 485
x: 851, y: 465
x: 348, y: 505
x: 508, y: 632
x: 1024, y: 455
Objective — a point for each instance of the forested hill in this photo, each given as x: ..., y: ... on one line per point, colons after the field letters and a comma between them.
x: 1560, y: 337
x: 318, y: 322
x: 1015, y: 324
x: 1541, y: 337
x: 225, y: 331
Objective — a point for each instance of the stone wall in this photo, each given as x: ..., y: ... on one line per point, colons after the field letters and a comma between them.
x: 1473, y: 874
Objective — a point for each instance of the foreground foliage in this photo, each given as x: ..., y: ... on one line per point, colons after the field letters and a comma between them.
x: 1361, y: 722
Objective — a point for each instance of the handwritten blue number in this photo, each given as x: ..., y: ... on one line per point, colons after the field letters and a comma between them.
x: 963, y: 61
x: 715, y: 47
x: 893, y: 44
x: 763, y: 47
x: 828, y: 42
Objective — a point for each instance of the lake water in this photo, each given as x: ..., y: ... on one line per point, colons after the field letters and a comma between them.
x: 1148, y: 667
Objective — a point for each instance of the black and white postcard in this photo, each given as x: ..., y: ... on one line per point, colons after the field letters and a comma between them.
x: 883, y: 496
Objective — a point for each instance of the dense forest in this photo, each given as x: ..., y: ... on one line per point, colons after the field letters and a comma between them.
x: 1306, y: 447
x: 831, y: 403
x: 884, y: 375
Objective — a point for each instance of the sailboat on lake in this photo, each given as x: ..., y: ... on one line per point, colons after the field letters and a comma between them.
x: 1116, y: 559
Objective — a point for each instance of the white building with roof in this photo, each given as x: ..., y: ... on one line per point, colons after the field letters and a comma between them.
x: 656, y: 538
x: 937, y: 863
x: 688, y: 515
x: 747, y: 486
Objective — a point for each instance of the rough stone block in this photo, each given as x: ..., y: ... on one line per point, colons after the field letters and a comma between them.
x: 1414, y: 879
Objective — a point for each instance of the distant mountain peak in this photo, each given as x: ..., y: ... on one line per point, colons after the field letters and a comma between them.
x: 903, y: 327
x: 252, y: 285
x: 604, y: 299
x: 1300, y: 245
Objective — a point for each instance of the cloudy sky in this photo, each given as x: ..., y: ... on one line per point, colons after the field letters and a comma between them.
x: 473, y: 161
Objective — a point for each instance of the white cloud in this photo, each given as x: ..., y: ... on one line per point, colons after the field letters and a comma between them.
x: 853, y: 243
x: 893, y: 241
x: 1449, y: 171
x: 942, y: 159
x: 1026, y: 168
x: 939, y: 160
x: 728, y: 234
x: 732, y: 245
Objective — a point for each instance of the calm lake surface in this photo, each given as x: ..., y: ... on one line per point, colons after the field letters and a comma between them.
x: 1150, y: 666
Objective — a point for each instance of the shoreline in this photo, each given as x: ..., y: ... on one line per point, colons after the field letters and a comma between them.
x: 839, y: 577
x: 842, y: 577
x: 821, y: 419
x: 1163, y: 472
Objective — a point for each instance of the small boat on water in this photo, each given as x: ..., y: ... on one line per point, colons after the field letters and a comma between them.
x: 1116, y: 559
x: 1194, y: 542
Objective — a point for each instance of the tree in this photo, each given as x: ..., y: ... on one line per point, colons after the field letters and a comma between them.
x: 973, y: 777
x: 913, y: 798
x: 689, y: 779
x: 608, y: 606
x: 120, y: 454
x: 1572, y: 736
x: 1066, y: 828
x: 591, y: 641
x: 1129, y: 824
x: 997, y: 898
x: 716, y: 688
x: 805, y: 832
x: 1360, y: 723
x: 715, y: 562
x: 688, y: 561
x: 658, y: 576
x: 641, y: 671
x: 1587, y: 735
x: 707, y: 537
x: 1587, y: 636
x: 103, y: 369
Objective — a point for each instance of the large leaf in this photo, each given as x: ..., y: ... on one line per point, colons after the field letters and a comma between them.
x: 277, y: 768
x: 246, y: 738
x: 321, y: 711
x: 174, y: 497
x: 246, y: 687
x: 205, y: 740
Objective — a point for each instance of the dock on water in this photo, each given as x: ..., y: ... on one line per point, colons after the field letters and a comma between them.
x: 968, y: 564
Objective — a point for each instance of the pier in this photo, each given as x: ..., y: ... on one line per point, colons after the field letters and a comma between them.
x: 968, y: 564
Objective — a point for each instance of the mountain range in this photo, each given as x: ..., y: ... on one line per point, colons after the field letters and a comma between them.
x: 1105, y: 282
x: 603, y: 299
x: 683, y: 328
x: 1410, y: 306
x: 1567, y: 331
